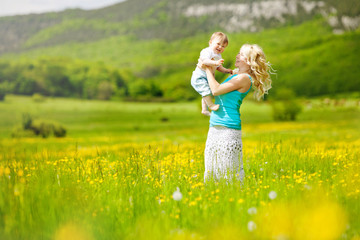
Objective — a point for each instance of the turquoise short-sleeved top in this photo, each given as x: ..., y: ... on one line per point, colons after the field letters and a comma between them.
x: 228, y: 114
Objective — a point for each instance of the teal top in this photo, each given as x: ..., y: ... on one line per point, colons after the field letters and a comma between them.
x: 228, y: 114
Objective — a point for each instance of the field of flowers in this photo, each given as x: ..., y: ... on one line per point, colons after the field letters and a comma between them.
x: 302, y: 181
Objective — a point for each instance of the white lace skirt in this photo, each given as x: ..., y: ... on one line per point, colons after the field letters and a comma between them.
x: 223, y: 154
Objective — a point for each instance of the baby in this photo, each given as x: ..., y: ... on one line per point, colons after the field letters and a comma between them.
x: 210, y: 56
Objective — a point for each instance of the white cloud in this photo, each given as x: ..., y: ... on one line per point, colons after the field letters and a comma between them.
x: 16, y: 7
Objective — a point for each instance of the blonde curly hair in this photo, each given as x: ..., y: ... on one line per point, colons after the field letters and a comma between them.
x: 260, y: 69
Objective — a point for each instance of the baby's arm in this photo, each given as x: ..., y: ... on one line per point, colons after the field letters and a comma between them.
x: 224, y: 70
x: 205, y: 60
x: 212, y: 63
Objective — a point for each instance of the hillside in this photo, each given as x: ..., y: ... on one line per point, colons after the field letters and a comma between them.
x: 147, y: 51
x: 170, y: 20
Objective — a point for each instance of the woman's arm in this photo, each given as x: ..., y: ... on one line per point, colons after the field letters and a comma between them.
x: 240, y: 83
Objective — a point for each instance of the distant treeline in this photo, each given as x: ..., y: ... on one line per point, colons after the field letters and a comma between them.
x: 62, y: 77
x: 308, y: 64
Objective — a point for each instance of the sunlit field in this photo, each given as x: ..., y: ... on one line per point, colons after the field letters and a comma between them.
x: 135, y: 171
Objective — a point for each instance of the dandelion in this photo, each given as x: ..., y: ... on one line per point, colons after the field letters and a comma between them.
x: 252, y: 211
x: 20, y: 173
x: 177, y: 196
x: 251, y: 226
x: 272, y: 195
x: 193, y: 203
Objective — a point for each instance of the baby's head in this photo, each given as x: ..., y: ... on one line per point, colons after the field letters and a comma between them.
x: 218, y: 42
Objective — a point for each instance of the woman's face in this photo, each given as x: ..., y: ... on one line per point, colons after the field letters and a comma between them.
x: 241, y: 60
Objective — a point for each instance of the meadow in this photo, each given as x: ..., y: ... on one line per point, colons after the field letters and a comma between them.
x: 135, y: 171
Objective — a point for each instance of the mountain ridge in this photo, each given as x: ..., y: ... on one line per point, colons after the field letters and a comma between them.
x: 169, y: 19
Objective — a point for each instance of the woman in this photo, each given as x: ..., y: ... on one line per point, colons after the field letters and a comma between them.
x: 223, y: 151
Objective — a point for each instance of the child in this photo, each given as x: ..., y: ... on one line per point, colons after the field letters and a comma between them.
x: 210, y: 56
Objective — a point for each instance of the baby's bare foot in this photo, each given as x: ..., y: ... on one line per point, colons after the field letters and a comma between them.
x: 214, y: 107
x: 206, y: 113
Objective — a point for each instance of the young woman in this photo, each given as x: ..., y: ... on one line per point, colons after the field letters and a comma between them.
x: 223, y: 151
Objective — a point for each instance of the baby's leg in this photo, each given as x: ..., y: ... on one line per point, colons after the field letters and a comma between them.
x: 213, y: 107
x: 204, y: 108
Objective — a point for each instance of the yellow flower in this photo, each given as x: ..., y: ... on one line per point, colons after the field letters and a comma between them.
x: 16, y: 191
x: 20, y: 173
x: 192, y: 203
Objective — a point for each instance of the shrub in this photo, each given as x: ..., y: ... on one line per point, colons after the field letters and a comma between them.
x: 3, y: 91
x: 43, y: 128
x: 105, y: 90
x: 37, y: 97
x: 26, y: 121
x: 2, y: 95
x: 58, y: 130
x: 285, y: 107
x: 19, y: 132
x: 286, y: 110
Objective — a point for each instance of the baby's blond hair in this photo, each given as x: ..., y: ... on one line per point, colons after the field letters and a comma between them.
x: 259, y: 68
x: 220, y: 35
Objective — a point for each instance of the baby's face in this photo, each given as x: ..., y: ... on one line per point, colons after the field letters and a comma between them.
x: 217, y: 45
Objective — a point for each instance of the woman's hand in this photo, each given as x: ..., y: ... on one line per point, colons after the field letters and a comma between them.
x: 202, y: 65
x: 211, y: 69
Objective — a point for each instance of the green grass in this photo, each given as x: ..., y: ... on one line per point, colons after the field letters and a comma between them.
x: 114, y: 174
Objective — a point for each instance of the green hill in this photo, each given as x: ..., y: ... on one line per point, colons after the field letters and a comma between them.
x: 147, y: 51
x: 169, y: 19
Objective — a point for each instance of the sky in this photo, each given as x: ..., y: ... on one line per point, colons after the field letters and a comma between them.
x: 20, y: 7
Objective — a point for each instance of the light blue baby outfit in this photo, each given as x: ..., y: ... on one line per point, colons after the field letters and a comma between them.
x: 199, y: 79
x: 228, y: 114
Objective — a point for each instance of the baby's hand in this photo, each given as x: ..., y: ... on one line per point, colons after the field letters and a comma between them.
x: 219, y: 62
